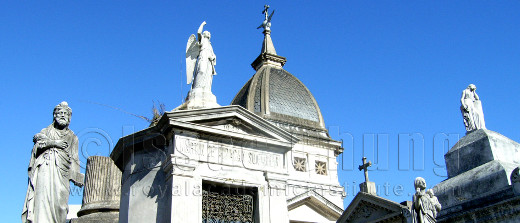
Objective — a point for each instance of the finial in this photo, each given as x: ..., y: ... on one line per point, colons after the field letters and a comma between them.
x: 268, y: 54
x: 364, y: 167
x: 266, y: 24
x: 367, y: 186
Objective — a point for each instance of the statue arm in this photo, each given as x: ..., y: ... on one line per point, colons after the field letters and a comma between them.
x: 42, y: 142
x: 476, y: 96
x: 462, y: 100
x: 76, y: 176
x: 199, y: 31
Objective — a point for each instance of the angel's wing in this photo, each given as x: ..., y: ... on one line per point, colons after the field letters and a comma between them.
x: 192, y: 52
x: 270, y: 16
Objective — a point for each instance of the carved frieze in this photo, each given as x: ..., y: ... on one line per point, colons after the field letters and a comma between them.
x: 225, y: 154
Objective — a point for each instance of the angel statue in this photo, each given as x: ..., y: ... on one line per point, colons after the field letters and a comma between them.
x: 200, y: 68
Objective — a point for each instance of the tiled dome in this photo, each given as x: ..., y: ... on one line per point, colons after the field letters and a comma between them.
x: 276, y: 95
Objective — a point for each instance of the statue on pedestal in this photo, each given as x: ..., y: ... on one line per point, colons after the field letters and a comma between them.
x: 54, y: 162
x: 200, y: 68
x: 425, y: 206
x: 471, y: 108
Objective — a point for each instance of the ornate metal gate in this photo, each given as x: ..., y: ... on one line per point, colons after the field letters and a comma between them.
x: 225, y: 204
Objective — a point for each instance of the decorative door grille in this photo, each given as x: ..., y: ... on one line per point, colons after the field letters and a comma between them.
x: 224, y: 204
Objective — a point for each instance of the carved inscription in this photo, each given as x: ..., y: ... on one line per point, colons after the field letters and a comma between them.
x: 214, y: 152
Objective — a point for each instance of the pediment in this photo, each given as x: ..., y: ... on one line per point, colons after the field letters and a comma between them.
x: 315, y: 202
x: 221, y: 123
x: 371, y: 208
x: 229, y: 120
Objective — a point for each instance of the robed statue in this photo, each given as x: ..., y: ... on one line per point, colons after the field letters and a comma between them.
x: 200, y: 59
x: 471, y: 108
x: 54, y: 162
x: 425, y: 206
x: 200, y: 68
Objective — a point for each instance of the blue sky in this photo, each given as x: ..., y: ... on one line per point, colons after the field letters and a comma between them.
x: 376, y: 68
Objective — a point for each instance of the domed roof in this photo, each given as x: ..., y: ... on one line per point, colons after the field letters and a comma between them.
x: 276, y: 95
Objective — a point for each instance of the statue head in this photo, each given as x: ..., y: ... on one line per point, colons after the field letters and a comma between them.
x: 206, y: 34
x: 472, y: 87
x: 420, y: 183
x: 430, y: 192
x: 62, y: 114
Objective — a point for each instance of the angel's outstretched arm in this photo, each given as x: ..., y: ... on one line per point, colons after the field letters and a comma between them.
x: 199, y: 32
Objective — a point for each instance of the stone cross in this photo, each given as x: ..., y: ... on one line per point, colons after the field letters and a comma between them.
x: 365, y: 167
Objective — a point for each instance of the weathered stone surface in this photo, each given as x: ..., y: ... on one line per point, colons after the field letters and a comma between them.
x: 479, y: 147
x: 368, y: 187
x: 98, y: 217
x: 481, y: 180
x: 500, y: 207
x: 372, y: 208
x: 102, y: 191
x: 54, y: 162
x: 478, y: 182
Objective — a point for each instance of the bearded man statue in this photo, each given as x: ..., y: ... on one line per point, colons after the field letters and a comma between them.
x: 54, y: 162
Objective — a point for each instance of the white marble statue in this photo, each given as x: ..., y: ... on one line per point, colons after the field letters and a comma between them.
x: 471, y: 108
x: 199, y: 55
x: 54, y: 162
x: 200, y: 68
x: 425, y: 205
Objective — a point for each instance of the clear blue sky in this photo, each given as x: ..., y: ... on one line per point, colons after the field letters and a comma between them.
x: 375, y: 67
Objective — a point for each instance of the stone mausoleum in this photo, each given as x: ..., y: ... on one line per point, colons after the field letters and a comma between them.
x: 267, y: 157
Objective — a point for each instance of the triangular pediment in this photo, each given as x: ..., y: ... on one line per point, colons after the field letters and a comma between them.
x: 231, y: 120
x: 314, y: 202
x: 221, y: 123
x: 372, y: 208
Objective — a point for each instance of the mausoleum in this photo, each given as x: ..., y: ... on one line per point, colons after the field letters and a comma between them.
x: 267, y: 157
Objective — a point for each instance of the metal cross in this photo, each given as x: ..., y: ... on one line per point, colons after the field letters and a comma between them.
x: 265, y: 12
x: 365, y: 167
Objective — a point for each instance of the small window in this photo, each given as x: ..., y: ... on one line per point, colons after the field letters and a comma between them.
x: 299, y: 164
x: 321, y: 168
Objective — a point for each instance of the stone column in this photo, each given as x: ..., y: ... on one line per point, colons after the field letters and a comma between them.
x: 277, y: 184
x: 102, y: 191
x: 186, y: 201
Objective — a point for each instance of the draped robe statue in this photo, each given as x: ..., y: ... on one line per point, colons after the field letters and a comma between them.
x: 54, y: 162
x: 425, y: 205
x: 200, y: 68
x: 471, y: 108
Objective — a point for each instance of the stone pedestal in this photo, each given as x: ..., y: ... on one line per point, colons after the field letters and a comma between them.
x: 478, y: 148
x: 197, y: 98
x: 480, y: 168
x: 102, y: 192
x: 368, y: 187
